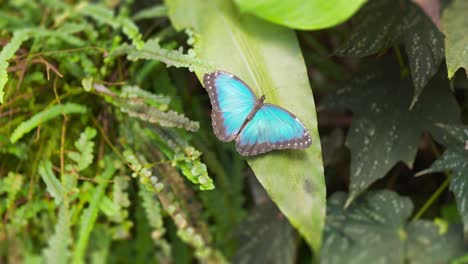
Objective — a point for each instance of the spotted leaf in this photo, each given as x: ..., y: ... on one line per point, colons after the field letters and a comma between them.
x: 374, y: 230
x: 382, y: 24
x: 384, y: 131
x: 455, y: 159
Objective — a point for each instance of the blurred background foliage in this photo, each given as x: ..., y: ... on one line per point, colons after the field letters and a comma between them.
x: 107, y: 153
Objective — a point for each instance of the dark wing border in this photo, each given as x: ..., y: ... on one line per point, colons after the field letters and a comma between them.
x: 209, y: 81
x: 296, y: 143
x: 218, y: 127
x: 216, y: 114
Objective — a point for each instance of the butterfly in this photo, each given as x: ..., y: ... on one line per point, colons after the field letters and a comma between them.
x: 257, y: 127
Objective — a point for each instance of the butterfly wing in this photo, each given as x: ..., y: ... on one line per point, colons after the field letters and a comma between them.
x: 272, y: 127
x: 232, y: 100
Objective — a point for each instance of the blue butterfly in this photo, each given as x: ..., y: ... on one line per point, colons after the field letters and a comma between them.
x: 257, y: 127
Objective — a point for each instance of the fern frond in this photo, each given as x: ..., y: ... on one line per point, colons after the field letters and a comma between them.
x: 131, y: 30
x: 44, y: 116
x: 152, y: 208
x: 151, y: 50
x: 20, y: 150
x: 53, y: 185
x: 116, y: 208
x: 120, y: 195
x: 58, y: 250
x: 139, y: 168
x: 89, y: 216
x: 101, y: 243
x: 85, y: 146
x: 150, y: 13
x: 54, y: 35
x: 7, y: 53
x: 189, y: 163
x: 106, y: 16
x: 13, y: 183
x: 152, y: 108
x: 135, y: 93
x: 155, y: 116
x: 153, y: 212
x: 100, y: 13
x: 176, y: 198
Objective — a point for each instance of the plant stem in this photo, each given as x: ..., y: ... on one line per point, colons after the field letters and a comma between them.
x: 433, y: 197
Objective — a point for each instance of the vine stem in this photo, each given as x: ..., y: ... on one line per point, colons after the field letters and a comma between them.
x: 433, y: 197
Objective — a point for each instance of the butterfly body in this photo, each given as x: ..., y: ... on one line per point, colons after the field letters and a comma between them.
x: 257, y: 127
x: 257, y: 106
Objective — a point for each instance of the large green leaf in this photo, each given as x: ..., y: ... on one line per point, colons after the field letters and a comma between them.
x: 384, y: 131
x: 268, y: 58
x: 374, y: 230
x: 300, y: 14
x: 381, y: 24
x: 455, y: 158
x: 455, y: 22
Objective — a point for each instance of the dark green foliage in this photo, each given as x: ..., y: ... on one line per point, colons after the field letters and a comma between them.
x: 382, y: 24
x: 384, y: 130
x: 265, y: 237
x: 107, y: 154
x: 69, y: 120
x: 374, y: 229
x: 455, y: 160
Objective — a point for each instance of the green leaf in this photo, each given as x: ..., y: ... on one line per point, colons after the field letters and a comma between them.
x: 65, y: 36
x: 381, y: 24
x: 455, y: 23
x: 300, y: 14
x: 151, y: 50
x: 106, y: 16
x: 100, y: 13
x: 54, y: 186
x: 20, y: 150
x: 266, y: 237
x: 268, y: 58
x: 191, y: 167
x: 152, y: 12
x: 428, y: 243
x: 136, y: 93
x: 85, y: 146
x: 89, y: 216
x: 384, y: 131
x: 374, y: 230
x: 12, y: 185
x: 152, y: 108
x: 58, y: 250
x: 7, y: 53
x: 455, y: 159
x: 153, y: 212
x: 43, y: 116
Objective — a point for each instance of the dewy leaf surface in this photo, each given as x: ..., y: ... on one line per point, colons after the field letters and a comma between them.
x: 374, y: 230
x: 381, y: 24
x: 268, y: 58
x: 455, y: 159
x: 384, y: 131
x: 455, y: 24
x: 300, y: 14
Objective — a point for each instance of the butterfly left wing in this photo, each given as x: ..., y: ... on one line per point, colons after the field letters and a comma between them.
x: 232, y: 101
x: 272, y: 127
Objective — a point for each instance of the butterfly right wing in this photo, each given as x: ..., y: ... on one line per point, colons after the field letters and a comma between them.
x: 272, y: 127
x: 232, y: 100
